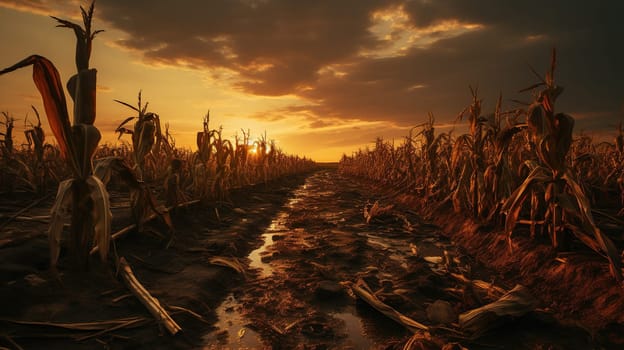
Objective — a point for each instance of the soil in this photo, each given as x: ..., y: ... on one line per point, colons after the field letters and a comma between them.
x: 303, y: 241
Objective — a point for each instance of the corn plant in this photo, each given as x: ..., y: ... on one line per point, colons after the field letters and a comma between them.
x: 203, y: 168
x: 204, y: 137
x: 498, y: 177
x: 142, y: 202
x: 472, y: 146
x: 35, y: 136
x: 146, y: 134
x: 8, y: 173
x: 83, y: 198
x: 7, y: 135
x: 502, y: 163
x: 261, y: 159
x: 147, y: 138
x: 431, y: 176
x: 173, y: 184
x: 239, y: 165
x: 567, y: 205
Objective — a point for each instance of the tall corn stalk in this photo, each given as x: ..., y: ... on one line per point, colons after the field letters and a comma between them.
x: 472, y: 145
x: 567, y: 205
x: 8, y: 172
x: 36, y: 138
x: 83, y: 198
x: 146, y: 135
x: 239, y: 162
x: 146, y: 141
x: 498, y: 176
x: 7, y: 135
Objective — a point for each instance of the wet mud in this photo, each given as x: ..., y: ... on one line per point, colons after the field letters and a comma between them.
x: 302, y: 243
x: 297, y: 295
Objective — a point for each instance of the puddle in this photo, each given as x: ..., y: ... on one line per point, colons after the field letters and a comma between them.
x: 231, y: 332
x: 276, y: 226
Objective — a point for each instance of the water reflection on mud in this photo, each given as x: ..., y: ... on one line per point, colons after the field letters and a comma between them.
x: 232, y: 332
x: 295, y: 295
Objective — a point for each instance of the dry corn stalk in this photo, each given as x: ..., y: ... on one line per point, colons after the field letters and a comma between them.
x: 152, y: 304
x: 146, y: 134
x: 363, y: 291
x: 90, y: 209
x: 567, y: 204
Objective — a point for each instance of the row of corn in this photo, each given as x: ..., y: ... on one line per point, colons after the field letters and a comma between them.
x: 519, y: 168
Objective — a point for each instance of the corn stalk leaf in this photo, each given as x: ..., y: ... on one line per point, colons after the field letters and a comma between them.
x: 60, y: 213
x: 102, y: 216
x: 605, y: 244
x: 48, y: 81
x: 230, y: 262
x: 515, y: 303
x: 128, y: 105
x: 513, y: 204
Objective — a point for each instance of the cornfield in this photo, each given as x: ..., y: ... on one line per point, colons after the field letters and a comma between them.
x: 258, y: 248
x: 150, y: 166
x: 521, y: 166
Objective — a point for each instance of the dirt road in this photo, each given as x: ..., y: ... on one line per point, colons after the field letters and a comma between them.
x: 302, y: 242
x: 295, y: 295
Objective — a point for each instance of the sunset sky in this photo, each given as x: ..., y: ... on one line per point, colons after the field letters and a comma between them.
x: 322, y: 77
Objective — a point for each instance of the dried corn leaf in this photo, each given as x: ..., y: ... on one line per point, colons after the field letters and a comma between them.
x: 48, y: 81
x: 232, y: 263
x: 603, y: 242
x: 60, y: 213
x: 363, y: 291
x: 102, y: 216
x: 80, y: 326
x: 515, y: 303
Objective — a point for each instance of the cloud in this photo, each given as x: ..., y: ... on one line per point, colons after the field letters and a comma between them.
x: 67, y: 8
x: 275, y: 46
x: 374, y: 60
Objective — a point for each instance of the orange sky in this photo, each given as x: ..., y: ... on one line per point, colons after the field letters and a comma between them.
x: 322, y: 78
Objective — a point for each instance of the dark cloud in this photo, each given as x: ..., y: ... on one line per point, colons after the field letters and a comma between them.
x: 313, y: 49
x: 276, y: 46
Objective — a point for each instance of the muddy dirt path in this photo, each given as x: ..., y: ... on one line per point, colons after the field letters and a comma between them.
x: 302, y: 240
x: 295, y: 296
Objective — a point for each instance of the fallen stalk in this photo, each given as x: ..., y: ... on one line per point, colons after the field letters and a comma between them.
x: 361, y: 289
x: 129, y: 323
x: 485, y: 286
x: 152, y: 304
x: 25, y: 209
x: 78, y: 326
